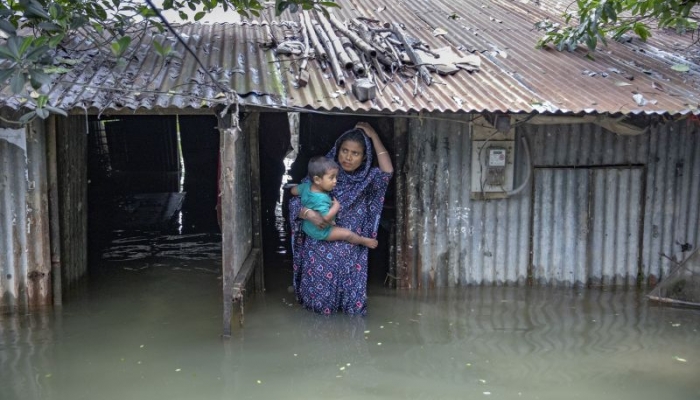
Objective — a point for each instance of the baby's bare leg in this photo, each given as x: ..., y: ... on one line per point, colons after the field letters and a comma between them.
x: 338, y: 233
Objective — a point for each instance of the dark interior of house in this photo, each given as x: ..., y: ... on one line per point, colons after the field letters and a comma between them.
x: 151, y: 179
x: 153, y: 187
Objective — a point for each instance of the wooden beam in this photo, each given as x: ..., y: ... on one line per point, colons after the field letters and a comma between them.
x: 229, y: 134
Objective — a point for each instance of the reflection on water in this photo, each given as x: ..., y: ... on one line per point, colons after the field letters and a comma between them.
x: 136, y: 245
x: 153, y: 333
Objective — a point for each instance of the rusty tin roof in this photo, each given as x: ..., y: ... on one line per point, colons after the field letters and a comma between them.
x: 514, y: 76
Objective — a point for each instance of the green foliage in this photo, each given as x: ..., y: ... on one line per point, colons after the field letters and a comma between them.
x: 594, y: 21
x: 30, y: 31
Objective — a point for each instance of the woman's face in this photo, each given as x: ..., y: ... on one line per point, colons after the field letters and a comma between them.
x: 350, y: 155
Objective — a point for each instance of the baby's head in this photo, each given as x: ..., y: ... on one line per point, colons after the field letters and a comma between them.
x: 323, y: 172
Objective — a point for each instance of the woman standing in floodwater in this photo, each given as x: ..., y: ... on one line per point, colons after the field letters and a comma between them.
x: 332, y: 276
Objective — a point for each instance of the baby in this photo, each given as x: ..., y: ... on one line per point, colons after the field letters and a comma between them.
x: 323, y: 173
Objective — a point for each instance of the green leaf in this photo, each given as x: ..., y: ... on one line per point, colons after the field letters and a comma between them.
x: 183, y: 15
x: 39, y: 78
x: 6, y: 54
x: 56, y: 110
x: 56, y: 70
x: 17, y: 82
x: 26, y: 118
x: 100, y: 11
x: 13, y: 45
x: 42, y: 100
x: 680, y: 67
x: 67, y: 61
x: 642, y: 31
x: 55, y: 10
x: 25, y: 44
x: 4, y: 74
x: 42, y: 113
x: 7, y: 27
x: 120, y: 46
x: 55, y: 40
x: 332, y: 4
x: 37, y: 52
x: 199, y: 15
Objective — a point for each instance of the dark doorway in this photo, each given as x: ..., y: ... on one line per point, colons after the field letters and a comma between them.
x: 152, y: 187
x: 274, y: 146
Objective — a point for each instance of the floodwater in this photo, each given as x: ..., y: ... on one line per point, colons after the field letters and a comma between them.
x: 148, y: 326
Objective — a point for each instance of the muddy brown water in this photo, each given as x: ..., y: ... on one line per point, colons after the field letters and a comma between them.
x: 148, y: 327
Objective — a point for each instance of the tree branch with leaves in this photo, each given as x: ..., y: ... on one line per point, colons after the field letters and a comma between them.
x: 592, y: 22
x: 31, y: 32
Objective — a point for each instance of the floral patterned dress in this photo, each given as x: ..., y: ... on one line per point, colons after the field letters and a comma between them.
x: 331, y: 277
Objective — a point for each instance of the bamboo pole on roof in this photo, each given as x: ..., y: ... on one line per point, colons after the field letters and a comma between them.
x: 353, y: 37
x: 320, y: 51
x: 332, y: 59
x: 336, y: 45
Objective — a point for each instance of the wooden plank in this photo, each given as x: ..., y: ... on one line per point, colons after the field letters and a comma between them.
x: 240, y: 281
x: 228, y: 166
x: 252, y: 264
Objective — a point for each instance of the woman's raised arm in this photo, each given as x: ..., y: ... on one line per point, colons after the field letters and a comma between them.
x: 383, y: 158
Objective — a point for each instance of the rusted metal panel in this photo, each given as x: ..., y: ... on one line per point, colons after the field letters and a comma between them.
x: 514, y: 75
x: 39, y: 288
x: 25, y: 279
x: 451, y: 239
x: 71, y: 154
x: 604, y: 209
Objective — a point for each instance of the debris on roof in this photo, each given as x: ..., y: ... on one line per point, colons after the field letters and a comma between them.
x: 370, y: 50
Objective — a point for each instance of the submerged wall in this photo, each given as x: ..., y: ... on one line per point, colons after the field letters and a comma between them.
x: 599, y: 209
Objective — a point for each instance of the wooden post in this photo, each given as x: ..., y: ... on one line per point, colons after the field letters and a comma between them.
x: 229, y: 133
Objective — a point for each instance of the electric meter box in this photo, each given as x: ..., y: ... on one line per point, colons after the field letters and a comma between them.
x: 492, y: 168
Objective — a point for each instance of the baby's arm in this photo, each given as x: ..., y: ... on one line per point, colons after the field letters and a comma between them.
x: 330, y: 216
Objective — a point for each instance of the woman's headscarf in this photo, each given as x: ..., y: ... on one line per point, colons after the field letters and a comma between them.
x: 351, y: 184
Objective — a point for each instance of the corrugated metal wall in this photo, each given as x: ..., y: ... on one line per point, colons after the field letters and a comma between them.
x: 586, y: 225
x: 71, y: 149
x: 634, y: 198
x: 25, y: 279
x: 450, y: 239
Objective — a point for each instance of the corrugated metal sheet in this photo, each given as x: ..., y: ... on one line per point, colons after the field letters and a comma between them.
x: 231, y: 53
x: 72, y: 167
x: 451, y: 239
x: 25, y: 263
x: 586, y: 226
x: 602, y: 207
x: 673, y: 197
x: 514, y: 77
